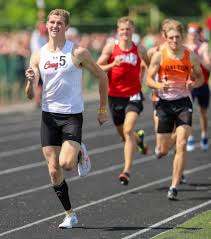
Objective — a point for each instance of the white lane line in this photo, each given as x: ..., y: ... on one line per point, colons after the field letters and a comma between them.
x: 38, y: 146
x: 43, y: 163
x: 20, y: 150
x: 24, y: 126
x: 91, y: 174
x: 15, y: 136
x: 12, y: 129
x: 192, y: 209
x: 90, y: 135
x: 91, y: 152
x: 18, y: 120
x: 18, y: 136
x: 104, y: 200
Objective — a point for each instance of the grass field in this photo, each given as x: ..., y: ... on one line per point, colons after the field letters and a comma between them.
x: 198, y: 227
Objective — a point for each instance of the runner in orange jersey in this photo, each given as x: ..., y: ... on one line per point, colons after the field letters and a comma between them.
x: 173, y: 64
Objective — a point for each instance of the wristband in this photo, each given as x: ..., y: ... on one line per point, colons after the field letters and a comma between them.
x: 102, y: 110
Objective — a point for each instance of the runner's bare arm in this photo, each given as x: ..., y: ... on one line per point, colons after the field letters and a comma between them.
x: 105, y: 55
x: 144, y: 71
x: 32, y: 75
x: 151, y: 52
x: 204, y: 56
x: 87, y: 62
x: 153, y: 70
x: 199, y: 78
x: 143, y: 54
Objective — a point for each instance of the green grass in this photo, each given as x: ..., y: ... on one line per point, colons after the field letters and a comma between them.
x: 198, y: 227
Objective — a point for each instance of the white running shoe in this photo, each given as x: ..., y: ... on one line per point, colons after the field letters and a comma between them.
x: 190, y: 144
x: 84, y: 163
x: 69, y: 221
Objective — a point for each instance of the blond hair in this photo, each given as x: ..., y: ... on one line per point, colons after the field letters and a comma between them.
x: 164, y: 23
x: 173, y: 25
x: 125, y: 19
x: 60, y: 12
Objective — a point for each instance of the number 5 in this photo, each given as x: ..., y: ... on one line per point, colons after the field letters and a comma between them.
x: 62, y: 60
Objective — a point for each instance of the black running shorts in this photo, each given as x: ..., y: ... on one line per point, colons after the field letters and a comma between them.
x: 202, y: 94
x: 119, y: 106
x: 173, y: 113
x: 57, y: 128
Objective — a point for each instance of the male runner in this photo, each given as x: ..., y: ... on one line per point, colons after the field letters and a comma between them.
x: 122, y: 60
x: 60, y: 63
x: 174, y: 64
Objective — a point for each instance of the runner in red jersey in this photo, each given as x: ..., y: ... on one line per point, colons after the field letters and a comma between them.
x: 122, y: 60
x: 202, y: 94
x: 124, y: 78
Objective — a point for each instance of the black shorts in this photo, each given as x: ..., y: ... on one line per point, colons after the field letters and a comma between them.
x: 57, y: 128
x: 203, y: 96
x: 173, y: 113
x: 154, y: 104
x: 119, y: 106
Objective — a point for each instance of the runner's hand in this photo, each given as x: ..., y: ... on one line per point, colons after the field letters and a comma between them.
x: 117, y: 61
x: 190, y: 84
x: 102, y: 117
x: 30, y: 75
x: 164, y: 86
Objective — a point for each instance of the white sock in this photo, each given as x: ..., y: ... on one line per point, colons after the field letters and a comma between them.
x: 203, y: 135
x: 190, y: 137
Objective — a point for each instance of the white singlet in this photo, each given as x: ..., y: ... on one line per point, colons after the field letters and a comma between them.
x: 62, y: 81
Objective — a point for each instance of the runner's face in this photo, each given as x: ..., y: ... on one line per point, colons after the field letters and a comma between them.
x: 193, y: 36
x: 174, y: 39
x: 56, y: 26
x: 125, y: 31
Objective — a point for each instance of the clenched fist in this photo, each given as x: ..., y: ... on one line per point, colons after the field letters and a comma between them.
x: 30, y: 75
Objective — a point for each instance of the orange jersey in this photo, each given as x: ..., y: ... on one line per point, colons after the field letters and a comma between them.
x: 177, y: 72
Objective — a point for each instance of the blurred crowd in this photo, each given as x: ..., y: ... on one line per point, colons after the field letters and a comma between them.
x: 16, y: 47
x: 22, y: 43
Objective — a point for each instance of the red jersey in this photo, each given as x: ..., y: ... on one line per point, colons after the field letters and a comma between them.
x: 124, y: 80
x: 205, y: 72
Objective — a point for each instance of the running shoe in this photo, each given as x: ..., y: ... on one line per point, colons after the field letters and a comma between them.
x: 124, y: 178
x: 69, y: 221
x: 204, y: 143
x: 143, y: 148
x: 183, y: 179
x: 157, y: 154
x: 172, y: 193
x: 190, y: 144
x: 84, y: 163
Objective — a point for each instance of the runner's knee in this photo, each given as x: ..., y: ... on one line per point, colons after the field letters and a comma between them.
x: 55, y: 176
x: 181, y: 145
x: 128, y: 133
x: 67, y: 165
